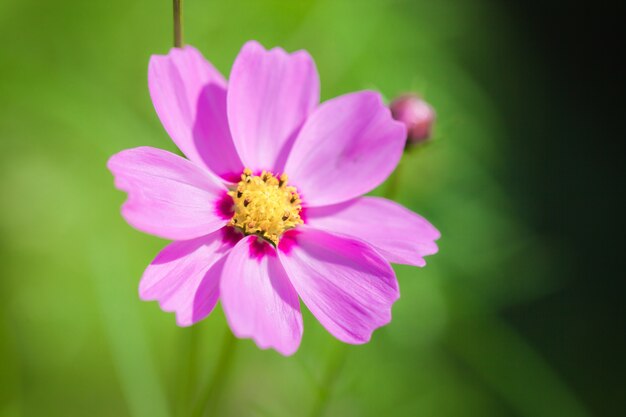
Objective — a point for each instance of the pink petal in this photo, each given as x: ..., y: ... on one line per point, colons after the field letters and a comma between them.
x: 347, y: 285
x: 168, y: 196
x: 347, y: 147
x: 184, y: 278
x: 398, y: 234
x: 258, y: 299
x: 189, y: 96
x: 269, y: 97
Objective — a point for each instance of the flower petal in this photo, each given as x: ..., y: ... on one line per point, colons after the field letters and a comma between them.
x: 347, y: 147
x: 184, y: 277
x: 168, y: 196
x: 258, y: 299
x: 189, y: 96
x: 269, y: 97
x: 347, y: 285
x: 398, y: 234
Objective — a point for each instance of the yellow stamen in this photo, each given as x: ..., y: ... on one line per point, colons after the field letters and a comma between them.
x: 265, y: 205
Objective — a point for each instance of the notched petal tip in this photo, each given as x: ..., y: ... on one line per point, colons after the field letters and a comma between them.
x: 184, y: 277
x: 270, y: 95
x: 344, y: 282
x: 181, y: 322
x: 377, y: 98
x: 256, y: 46
x: 252, y: 44
x: 284, y: 350
x: 436, y: 232
x: 167, y: 194
x: 258, y: 300
x: 398, y: 234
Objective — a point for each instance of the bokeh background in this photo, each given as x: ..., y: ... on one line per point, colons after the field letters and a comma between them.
x: 520, y: 314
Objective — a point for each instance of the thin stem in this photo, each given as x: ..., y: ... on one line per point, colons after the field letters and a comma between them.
x: 178, y: 23
x: 189, y: 370
x: 210, y: 396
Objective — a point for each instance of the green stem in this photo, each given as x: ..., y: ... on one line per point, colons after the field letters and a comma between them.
x: 210, y: 396
x: 188, y: 378
x: 178, y: 23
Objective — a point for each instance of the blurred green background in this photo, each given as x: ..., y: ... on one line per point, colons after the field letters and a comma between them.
x: 471, y: 334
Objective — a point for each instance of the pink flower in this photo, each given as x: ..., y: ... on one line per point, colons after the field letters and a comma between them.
x: 268, y: 208
x: 417, y: 115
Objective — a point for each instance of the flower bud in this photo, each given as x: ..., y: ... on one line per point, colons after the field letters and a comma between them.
x: 417, y: 115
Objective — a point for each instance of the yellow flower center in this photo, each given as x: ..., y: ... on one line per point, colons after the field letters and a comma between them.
x: 265, y: 205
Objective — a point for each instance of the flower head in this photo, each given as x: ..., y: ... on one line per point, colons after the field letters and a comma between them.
x: 417, y: 115
x: 267, y: 208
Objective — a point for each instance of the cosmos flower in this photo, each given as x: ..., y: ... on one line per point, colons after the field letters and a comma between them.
x: 417, y: 115
x: 267, y: 208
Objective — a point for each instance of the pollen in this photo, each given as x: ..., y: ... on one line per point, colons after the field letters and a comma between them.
x: 265, y: 205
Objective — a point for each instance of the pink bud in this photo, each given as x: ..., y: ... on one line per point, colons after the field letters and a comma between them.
x: 416, y: 114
